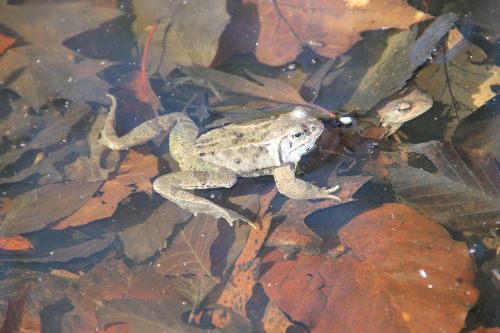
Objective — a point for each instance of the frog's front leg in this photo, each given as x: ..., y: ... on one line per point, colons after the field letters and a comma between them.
x: 173, y: 187
x: 295, y: 188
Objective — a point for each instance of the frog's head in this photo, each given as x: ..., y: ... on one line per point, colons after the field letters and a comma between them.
x: 300, y: 132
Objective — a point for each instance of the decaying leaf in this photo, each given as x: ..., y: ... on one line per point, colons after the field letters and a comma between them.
x: 292, y: 235
x: 43, y: 68
x: 264, y: 87
x: 381, y: 65
x: 401, y: 267
x: 188, y: 32
x: 81, y: 249
x: 461, y: 78
x: 239, y: 290
x: 20, y: 121
x: 134, y: 173
x: 190, y: 250
x: 107, y: 281
x: 156, y: 315
x: 328, y: 27
x: 55, y: 131
x: 145, y: 239
x: 463, y: 195
x: 35, y: 209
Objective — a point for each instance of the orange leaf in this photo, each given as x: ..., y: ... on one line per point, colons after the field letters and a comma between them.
x: 5, y: 43
x: 401, y: 267
x: 15, y: 243
x: 244, y: 276
x: 99, y: 207
x: 135, y: 169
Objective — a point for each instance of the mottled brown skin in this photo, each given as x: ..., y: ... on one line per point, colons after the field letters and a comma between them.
x: 216, y: 158
x: 395, y: 112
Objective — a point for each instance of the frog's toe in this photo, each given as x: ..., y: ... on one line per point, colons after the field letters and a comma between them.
x: 333, y: 197
x: 333, y: 189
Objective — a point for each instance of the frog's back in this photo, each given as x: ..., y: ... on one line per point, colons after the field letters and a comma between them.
x: 245, y: 149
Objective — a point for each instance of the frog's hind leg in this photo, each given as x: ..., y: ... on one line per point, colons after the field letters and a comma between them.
x: 175, y: 186
x: 140, y: 134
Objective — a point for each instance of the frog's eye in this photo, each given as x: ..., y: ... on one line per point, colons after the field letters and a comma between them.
x: 297, y: 134
x: 403, y: 107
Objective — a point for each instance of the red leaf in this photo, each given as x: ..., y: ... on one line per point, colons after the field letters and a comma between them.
x: 5, y: 43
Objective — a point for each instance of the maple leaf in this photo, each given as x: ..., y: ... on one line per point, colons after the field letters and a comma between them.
x: 40, y: 67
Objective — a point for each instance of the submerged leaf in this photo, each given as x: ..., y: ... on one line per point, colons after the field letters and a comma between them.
x: 400, y: 266
x: 143, y: 240
x: 43, y: 68
x: 188, y: 31
x: 329, y: 27
x: 33, y: 210
x: 463, y: 195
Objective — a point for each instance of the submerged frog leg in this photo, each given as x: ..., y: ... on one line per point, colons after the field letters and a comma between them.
x: 140, y: 134
x: 173, y: 187
x: 294, y: 188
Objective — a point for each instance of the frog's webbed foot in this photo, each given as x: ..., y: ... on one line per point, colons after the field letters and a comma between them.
x: 173, y: 187
x: 295, y: 188
x: 140, y: 134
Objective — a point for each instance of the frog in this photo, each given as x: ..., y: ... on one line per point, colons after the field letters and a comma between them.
x: 387, y: 117
x: 400, y: 109
x: 215, y: 159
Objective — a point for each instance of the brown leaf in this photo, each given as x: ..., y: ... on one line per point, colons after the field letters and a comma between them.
x: 157, y: 315
x: 136, y: 169
x: 189, y: 252
x: 461, y: 78
x: 45, y: 59
x: 111, y: 280
x: 265, y: 87
x: 401, y: 267
x: 385, y: 60
x: 81, y: 249
x: 20, y: 122
x: 292, y: 235
x: 188, y: 32
x: 328, y: 27
x: 463, y: 195
x: 55, y: 131
x: 143, y: 240
x: 35, y: 209
x: 239, y: 289
x: 22, y: 315
x: 15, y: 243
